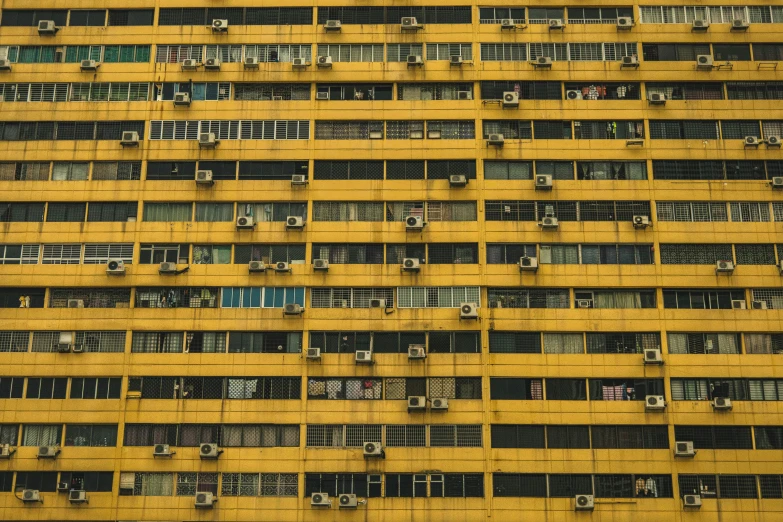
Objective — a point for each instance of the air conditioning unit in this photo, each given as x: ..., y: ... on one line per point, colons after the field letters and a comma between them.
x: 162, y: 450
x: 115, y: 267
x: 256, y: 266
x: 773, y: 141
x: 363, y: 357
x: 75, y: 303
x: 314, y: 354
x: 5, y: 65
x: 624, y: 22
x: 652, y: 356
x: 251, y: 62
x: 455, y: 61
x: 415, y: 59
x: 464, y: 95
x: 584, y: 303
x: 410, y: 264
x: 656, y: 98
x: 496, y: 139
x: 417, y: 403
x: 414, y: 223
x: 347, y: 500
x: 245, y: 222
x: 321, y: 265
x: 322, y: 96
x: 333, y: 25
x: 299, y: 179
x: 777, y: 182
x: 204, y: 177
x: 409, y: 23
x: 219, y: 25
x: 282, y: 266
x: 129, y: 139
x: 212, y: 64
x: 298, y: 63
x: 416, y: 351
x: 377, y: 303
x: 704, y: 61
x: 507, y: 23
x: 292, y: 309
x: 6, y: 451
x: 691, y: 501
x: 684, y: 449
x: 549, y: 222
x: 324, y: 61
x: 654, y: 403
x: 77, y: 496
x: 47, y: 27
x: 573, y: 95
x: 189, y: 64
x: 739, y: 25
x: 209, y: 450
x: 373, y: 449
x: 31, y: 495
x: 511, y: 99
x: 739, y: 304
x: 48, y: 452
x: 78, y: 348
x: 468, y: 311
x: 204, y: 499
x: 700, y: 25
x: 634, y: 142
x: 294, y: 223
x: 542, y: 61
x: 182, y: 98
x: 629, y: 61
x: 458, y: 180
x: 721, y: 403
x: 439, y: 404
x: 64, y: 348
x: 543, y: 182
x: 89, y: 65
x: 641, y: 221
x: 556, y: 24
x: 528, y: 264
x: 207, y: 140
x: 63, y: 486
x: 167, y: 267
x: 320, y: 499
x: 584, y: 503
x: 724, y: 267
x: 751, y: 141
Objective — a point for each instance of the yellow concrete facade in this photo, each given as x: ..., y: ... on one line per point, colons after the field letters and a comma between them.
x: 485, y: 412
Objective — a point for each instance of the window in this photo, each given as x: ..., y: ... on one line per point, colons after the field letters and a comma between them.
x: 347, y: 130
x: 771, y: 486
x: 264, y: 484
x: 205, y: 342
x: 90, y: 481
x: 30, y: 17
x: 683, y: 130
x: 272, y: 170
x: 514, y: 342
x: 453, y: 253
x: 624, y: 389
x: 211, y: 254
x: 46, y: 387
x: 621, y: 342
x: 754, y: 90
x: 735, y: 389
x: 269, y: 254
x: 344, y: 388
x: 688, y: 90
x: 508, y: 253
x: 519, y: 485
x: 349, y: 253
x: 426, y: 91
x: 763, y: 343
x: 14, y: 342
x: 63, y: 171
x: 164, y: 170
x: 444, y: 51
x: 715, y: 437
x: 354, y: 170
x: 493, y: 15
x: 157, y: 253
x: 527, y: 298
x: 11, y: 387
x: 459, y: 485
x: 674, y: 52
x: 177, y: 297
x: 87, y: 17
x: 508, y: 170
x: 24, y: 171
x: 21, y: 212
x: 517, y: 436
x: 43, y: 481
x: 616, y: 299
x: 61, y: 254
x: 91, y: 435
x: 168, y: 212
x: 701, y: 299
x: 690, y: 343
x: 130, y: 17
x: 96, y: 387
x: 630, y: 437
x: 691, y: 211
x: 436, y: 297
x: 510, y: 129
x: 274, y: 212
x: 261, y: 297
x: 42, y: 434
x: 9, y: 434
x: 116, y: 170
x: 453, y: 342
x: 566, y: 390
x: 769, y: 437
x: 150, y: 484
x: 352, y: 53
x: 156, y: 342
x: 512, y: 388
x: 561, y: 485
x: 265, y: 342
x: 66, y: 212
x: 115, y: 211
x: 611, y: 170
x: 694, y: 254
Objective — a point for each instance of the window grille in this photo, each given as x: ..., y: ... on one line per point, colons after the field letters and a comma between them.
x: 271, y: 91
x: 426, y: 91
x: 111, y: 170
x: 453, y: 130
x: 715, y: 437
x: 348, y: 211
x: 100, y: 253
x: 14, y: 341
x: 401, y: 130
x: 503, y: 52
x: 563, y: 343
x: 269, y: 253
x: 681, y: 130
x: 764, y: 343
x: 272, y: 53
x: 755, y: 90
x: 344, y: 388
x: 630, y: 437
x: 691, y: 211
x: 528, y: 298
x: 346, y: 130
x: 749, y: 211
x: 355, y: 170
x: 357, y: 434
x: 349, y: 297
x: 61, y: 254
x: 352, y: 53
x: 9, y: 434
x: 455, y: 436
x: 748, y: 254
x: 436, y: 297
x: 405, y: 435
x: 622, y: 342
x: 400, y: 52
x: 694, y: 254
x: 325, y: 435
x: 177, y: 297
x: 91, y: 297
x: 189, y: 483
x: 445, y: 51
x: 514, y: 342
x: 773, y: 297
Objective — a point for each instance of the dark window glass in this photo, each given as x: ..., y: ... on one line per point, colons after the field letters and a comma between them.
x: 568, y: 437
x: 43, y: 481
x: 566, y: 390
x: 88, y: 17
x: 561, y: 485
x: 269, y: 170
x: 517, y: 436
x: 161, y: 170
x: 126, y: 17
x: 510, y: 388
x: 519, y: 485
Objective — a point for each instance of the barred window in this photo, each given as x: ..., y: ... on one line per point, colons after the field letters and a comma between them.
x: 425, y: 91
x: 510, y: 129
x: 61, y: 254
x: 755, y: 90
x: 189, y: 483
x: 773, y: 297
x: 682, y: 130
x: 345, y: 388
x: 748, y: 254
x: 150, y: 484
x: 404, y: 169
x: 156, y: 342
x: 451, y: 211
x: 444, y: 51
x: 14, y: 341
x: 347, y: 211
x: 346, y: 297
x: 630, y: 437
x: 694, y: 254
x: 400, y: 52
x: 556, y: 51
x: 503, y: 52
x: 455, y: 436
x: 271, y: 53
x: 436, y: 297
x: 271, y: 91
x: 9, y: 434
x: 269, y: 253
x: 514, y: 342
x: 691, y: 211
x: 405, y: 435
x: 89, y: 297
x: 622, y: 342
x: 335, y: 170
x: 749, y: 211
x: 205, y: 342
x: 508, y: 170
x: 352, y: 53
x: 261, y: 297
x: 763, y: 343
x: 715, y: 437
x: 563, y: 343
x: 347, y: 130
x: 349, y: 253
x: 325, y: 435
x: 265, y: 484
x: 66, y: 212
x: 528, y: 298
x: 404, y: 130
x: 609, y: 130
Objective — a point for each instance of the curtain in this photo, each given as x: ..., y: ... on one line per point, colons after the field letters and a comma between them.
x: 213, y: 212
x: 157, y: 484
x: 167, y: 212
x: 678, y: 343
x: 563, y: 343
x: 758, y: 343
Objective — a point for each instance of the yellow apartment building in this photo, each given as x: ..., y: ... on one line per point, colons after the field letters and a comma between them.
x: 388, y: 260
